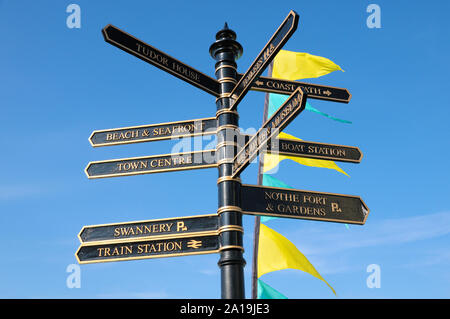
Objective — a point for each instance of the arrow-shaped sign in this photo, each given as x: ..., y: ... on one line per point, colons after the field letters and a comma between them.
x: 190, y: 244
x: 153, y: 132
x: 293, y: 106
x: 161, y: 228
x: 315, y: 91
x: 276, y: 42
x: 151, y: 164
x: 147, y: 53
x: 292, y: 203
x: 291, y: 147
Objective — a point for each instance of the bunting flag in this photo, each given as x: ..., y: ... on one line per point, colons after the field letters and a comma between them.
x: 272, y: 160
x: 272, y: 181
x: 299, y: 65
x: 279, y: 253
x: 267, y: 292
x: 276, y: 100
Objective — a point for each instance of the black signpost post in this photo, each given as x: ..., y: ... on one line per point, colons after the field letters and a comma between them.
x: 221, y: 232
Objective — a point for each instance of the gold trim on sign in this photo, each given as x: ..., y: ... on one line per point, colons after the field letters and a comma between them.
x: 142, y: 239
x: 146, y: 238
x: 149, y: 172
x: 299, y: 84
x: 325, y: 144
x: 306, y: 191
x: 144, y: 221
x: 228, y: 208
x: 312, y: 192
x: 151, y: 138
x: 288, y: 153
x: 339, y: 159
x: 305, y: 217
x: 145, y: 257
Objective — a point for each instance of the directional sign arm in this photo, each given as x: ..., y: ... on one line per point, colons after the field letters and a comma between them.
x: 291, y: 147
x: 293, y: 203
x: 151, y: 164
x: 315, y: 91
x: 293, y: 106
x: 149, y: 54
x: 189, y: 244
x: 154, y: 132
x: 156, y: 228
x: 276, y: 42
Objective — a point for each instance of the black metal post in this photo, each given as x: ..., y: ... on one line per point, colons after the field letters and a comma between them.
x: 226, y: 50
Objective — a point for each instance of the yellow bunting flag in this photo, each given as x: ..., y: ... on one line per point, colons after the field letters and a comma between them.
x: 272, y: 160
x: 293, y: 66
x: 277, y: 252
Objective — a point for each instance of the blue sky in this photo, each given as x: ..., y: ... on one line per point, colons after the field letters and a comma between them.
x: 60, y: 84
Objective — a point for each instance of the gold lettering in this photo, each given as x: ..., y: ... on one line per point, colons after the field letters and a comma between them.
x: 115, y: 252
x: 100, y: 251
x: 181, y: 226
x: 335, y: 208
x: 314, y: 199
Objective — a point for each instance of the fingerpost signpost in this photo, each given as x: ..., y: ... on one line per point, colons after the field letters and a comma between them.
x: 220, y: 232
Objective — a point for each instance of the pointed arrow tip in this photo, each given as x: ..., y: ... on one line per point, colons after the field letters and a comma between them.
x: 86, y: 170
